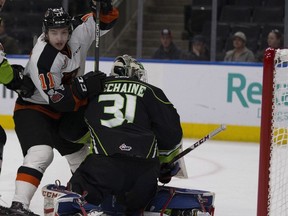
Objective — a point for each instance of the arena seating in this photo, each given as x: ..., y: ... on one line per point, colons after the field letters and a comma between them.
x: 23, y: 20
x: 256, y: 18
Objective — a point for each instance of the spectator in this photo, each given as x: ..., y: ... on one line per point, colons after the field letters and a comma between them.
x: 167, y: 49
x: 274, y: 40
x: 198, y: 49
x: 240, y: 53
x: 10, y: 43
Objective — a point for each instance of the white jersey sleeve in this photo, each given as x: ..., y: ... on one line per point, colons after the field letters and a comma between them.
x: 84, y: 35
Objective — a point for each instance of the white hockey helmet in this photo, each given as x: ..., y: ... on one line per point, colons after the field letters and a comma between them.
x: 129, y: 67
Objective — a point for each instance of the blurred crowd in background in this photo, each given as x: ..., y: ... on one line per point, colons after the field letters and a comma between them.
x: 244, y: 28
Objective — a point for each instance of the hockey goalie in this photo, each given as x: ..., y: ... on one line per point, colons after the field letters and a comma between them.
x: 168, y: 201
x: 135, y: 134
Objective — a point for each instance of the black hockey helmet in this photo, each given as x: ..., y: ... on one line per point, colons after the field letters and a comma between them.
x: 127, y: 66
x: 56, y: 18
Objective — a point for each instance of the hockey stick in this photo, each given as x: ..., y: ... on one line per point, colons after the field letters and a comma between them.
x: 1, y: 157
x: 198, y: 143
x: 3, y: 139
x: 97, y: 36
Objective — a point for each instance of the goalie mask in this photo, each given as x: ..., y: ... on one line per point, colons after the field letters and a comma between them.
x: 56, y: 18
x: 129, y: 67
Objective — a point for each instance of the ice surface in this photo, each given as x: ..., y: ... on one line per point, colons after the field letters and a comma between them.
x: 230, y: 169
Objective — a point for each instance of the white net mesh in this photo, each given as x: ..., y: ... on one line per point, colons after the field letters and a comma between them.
x: 278, y: 177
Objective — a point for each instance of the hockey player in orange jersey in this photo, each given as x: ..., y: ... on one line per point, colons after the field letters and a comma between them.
x: 56, y: 67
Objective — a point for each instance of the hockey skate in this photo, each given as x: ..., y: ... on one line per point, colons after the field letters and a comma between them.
x: 188, y: 212
x: 4, y: 211
x: 18, y: 209
x: 90, y: 213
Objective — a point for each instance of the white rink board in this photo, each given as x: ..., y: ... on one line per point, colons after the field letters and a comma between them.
x: 202, y: 93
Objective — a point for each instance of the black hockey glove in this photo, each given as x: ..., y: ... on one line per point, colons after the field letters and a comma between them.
x: 22, y: 84
x: 105, y: 6
x: 167, y: 171
x: 88, y: 85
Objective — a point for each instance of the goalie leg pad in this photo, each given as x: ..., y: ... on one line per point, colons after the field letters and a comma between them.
x: 183, y: 200
x: 59, y: 201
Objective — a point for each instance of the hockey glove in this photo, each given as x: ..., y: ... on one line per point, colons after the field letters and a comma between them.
x: 20, y: 83
x: 105, y: 6
x: 88, y: 85
x: 167, y: 171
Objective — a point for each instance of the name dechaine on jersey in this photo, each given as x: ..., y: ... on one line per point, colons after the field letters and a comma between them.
x: 132, y: 88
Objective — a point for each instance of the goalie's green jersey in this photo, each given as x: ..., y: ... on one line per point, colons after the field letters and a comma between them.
x: 132, y: 118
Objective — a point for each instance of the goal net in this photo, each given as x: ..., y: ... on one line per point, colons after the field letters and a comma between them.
x: 273, y: 162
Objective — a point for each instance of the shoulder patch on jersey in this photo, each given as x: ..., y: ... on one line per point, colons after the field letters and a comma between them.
x: 55, y: 96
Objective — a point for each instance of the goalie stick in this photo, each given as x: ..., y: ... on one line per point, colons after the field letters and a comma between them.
x: 198, y: 143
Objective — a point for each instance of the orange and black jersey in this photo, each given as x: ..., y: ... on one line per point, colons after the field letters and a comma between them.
x: 51, y: 70
x: 132, y: 118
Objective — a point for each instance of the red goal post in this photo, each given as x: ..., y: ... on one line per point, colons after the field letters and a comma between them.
x: 273, y: 159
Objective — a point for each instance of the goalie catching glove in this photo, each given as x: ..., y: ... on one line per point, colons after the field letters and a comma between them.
x: 88, y: 85
x: 105, y: 6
